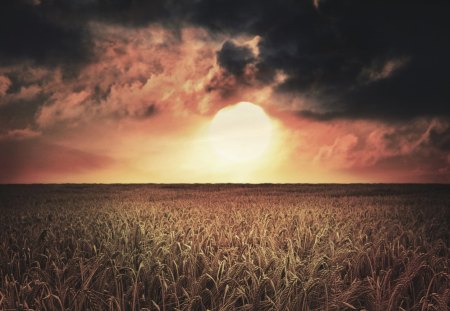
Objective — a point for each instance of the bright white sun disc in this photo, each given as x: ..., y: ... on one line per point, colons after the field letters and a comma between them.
x: 241, y: 132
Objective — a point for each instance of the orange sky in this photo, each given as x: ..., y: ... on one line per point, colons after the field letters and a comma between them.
x: 139, y: 112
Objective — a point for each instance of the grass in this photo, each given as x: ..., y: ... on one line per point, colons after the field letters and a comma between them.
x: 224, y: 247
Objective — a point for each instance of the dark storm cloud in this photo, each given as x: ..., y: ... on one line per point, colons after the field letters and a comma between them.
x: 352, y: 58
x: 56, y: 32
x: 234, y: 58
x: 326, y: 52
x: 29, y: 31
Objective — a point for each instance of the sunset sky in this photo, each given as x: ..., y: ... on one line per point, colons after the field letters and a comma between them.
x: 126, y: 91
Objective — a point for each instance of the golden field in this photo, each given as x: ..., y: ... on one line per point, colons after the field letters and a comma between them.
x: 224, y: 247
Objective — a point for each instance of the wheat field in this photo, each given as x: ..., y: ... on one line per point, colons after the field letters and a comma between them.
x: 224, y: 247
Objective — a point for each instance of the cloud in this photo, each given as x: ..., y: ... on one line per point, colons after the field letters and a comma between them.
x: 339, y: 153
x: 412, y: 150
x: 350, y: 59
x: 5, y: 83
x: 19, y: 134
x: 439, y: 137
x: 235, y: 58
x: 134, y: 74
x: 33, y: 32
x: 383, y: 70
x: 64, y: 107
x: 38, y: 161
x: 325, y: 53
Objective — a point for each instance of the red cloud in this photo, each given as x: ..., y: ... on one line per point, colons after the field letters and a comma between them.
x: 19, y: 134
x: 38, y: 161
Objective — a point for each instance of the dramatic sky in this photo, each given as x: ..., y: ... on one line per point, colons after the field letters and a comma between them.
x: 125, y: 90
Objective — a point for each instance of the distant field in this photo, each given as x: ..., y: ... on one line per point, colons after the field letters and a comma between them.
x: 224, y: 247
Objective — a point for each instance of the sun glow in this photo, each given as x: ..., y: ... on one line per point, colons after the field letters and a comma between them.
x: 241, y: 132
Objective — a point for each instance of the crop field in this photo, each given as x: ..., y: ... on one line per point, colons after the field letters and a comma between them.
x: 224, y: 247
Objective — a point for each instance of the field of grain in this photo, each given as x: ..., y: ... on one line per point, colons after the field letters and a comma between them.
x: 224, y: 247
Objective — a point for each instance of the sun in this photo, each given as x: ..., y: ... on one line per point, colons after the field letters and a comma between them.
x: 241, y: 132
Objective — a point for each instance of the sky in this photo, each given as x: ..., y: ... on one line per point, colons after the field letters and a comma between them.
x: 125, y: 91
